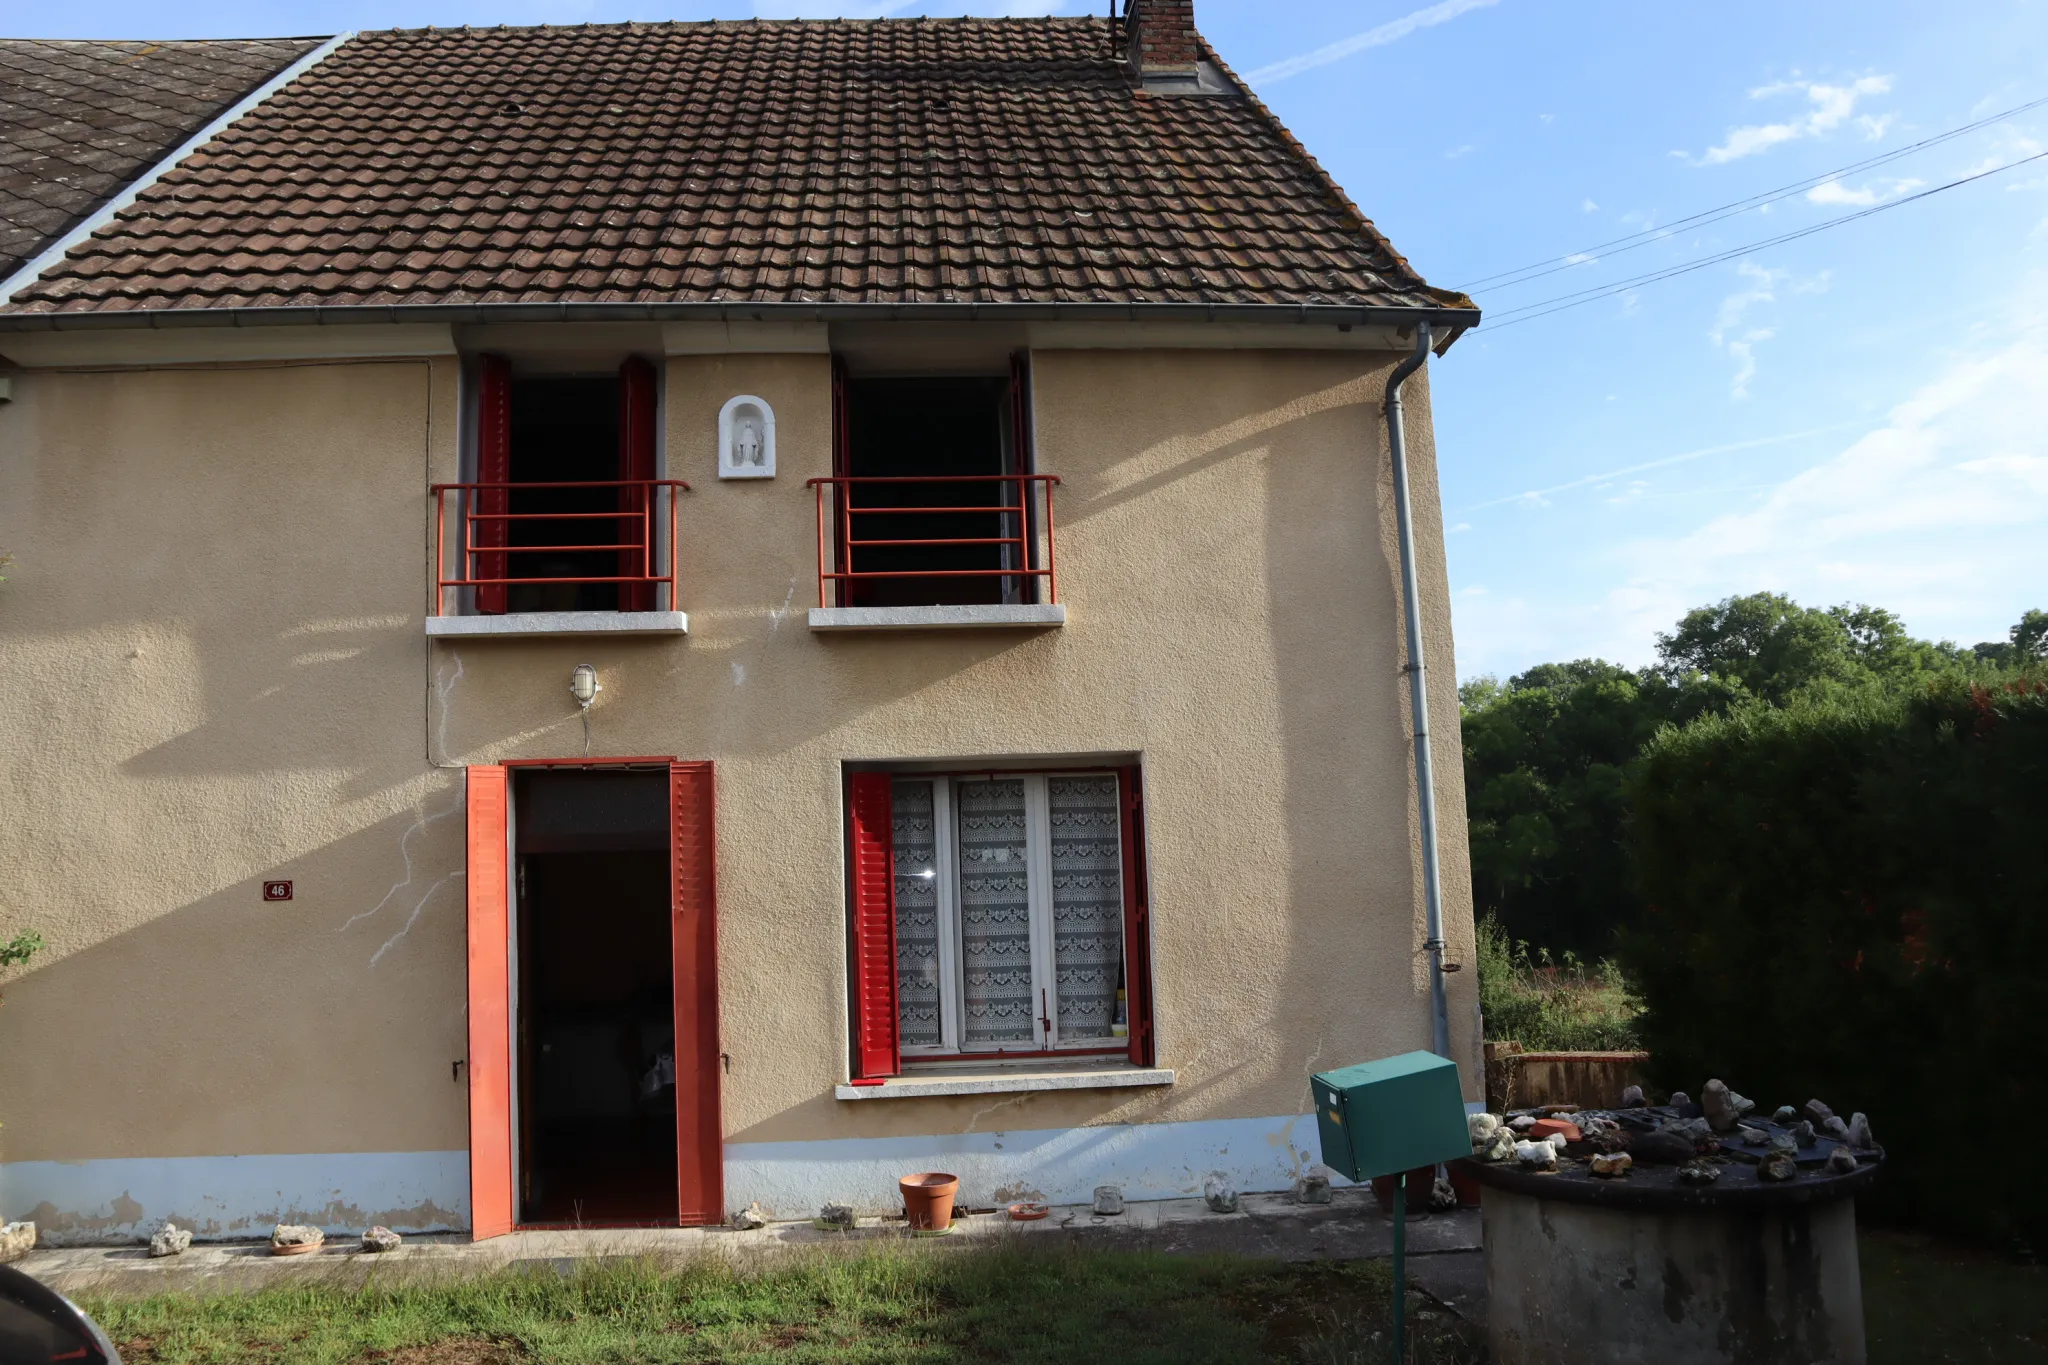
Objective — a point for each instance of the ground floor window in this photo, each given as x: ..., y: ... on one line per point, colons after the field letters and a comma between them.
x: 998, y: 915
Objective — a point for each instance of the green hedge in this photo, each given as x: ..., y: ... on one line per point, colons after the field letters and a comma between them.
x: 1850, y: 901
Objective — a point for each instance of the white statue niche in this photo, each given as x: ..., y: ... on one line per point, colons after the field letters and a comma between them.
x: 746, y: 439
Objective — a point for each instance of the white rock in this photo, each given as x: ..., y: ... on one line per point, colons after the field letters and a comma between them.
x: 1859, y: 1133
x: 1609, y: 1165
x: 1522, y: 1123
x: 16, y: 1240
x: 1219, y: 1194
x: 836, y: 1215
x: 169, y: 1240
x: 1312, y: 1188
x: 1842, y: 1161
x: 1482, y: 1127
x: 1632, y: 1098
x: 295, y: 1235
x: 1537, y: 1156
x: 379, y: 1239
x: 1502, y: 1147
x: 750, y: 1218
x: 1719, y: 1103
x: 1755, y: 1137
x: 1443, y: 1196
x: 1109, y: 1199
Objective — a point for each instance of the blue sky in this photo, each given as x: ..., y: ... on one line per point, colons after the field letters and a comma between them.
x: 1860, y: 415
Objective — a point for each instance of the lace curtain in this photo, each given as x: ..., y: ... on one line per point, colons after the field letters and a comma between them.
x: 995, y: 915
x: 917, y: 914
x: 1087, y: 904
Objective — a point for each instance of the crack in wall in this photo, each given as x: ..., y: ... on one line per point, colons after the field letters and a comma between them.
x: 443, y: 691
x: 414, y: 917
x: 420, y: 822
x: 983, y: 1113
x: 775, y: 618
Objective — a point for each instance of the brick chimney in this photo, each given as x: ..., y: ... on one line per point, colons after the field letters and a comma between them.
x: 1163, y: 46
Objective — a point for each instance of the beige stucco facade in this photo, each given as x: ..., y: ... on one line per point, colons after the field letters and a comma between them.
x: 216, y: 672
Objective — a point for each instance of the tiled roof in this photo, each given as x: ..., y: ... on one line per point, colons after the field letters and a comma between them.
x: 993, y: 161
x: 80, y: 120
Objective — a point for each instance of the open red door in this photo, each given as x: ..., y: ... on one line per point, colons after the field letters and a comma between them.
x: 700, y: 1127
x: 490, y: 1004
x: 636, y: 461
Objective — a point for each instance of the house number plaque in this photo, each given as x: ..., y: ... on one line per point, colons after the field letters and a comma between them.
x: 277, y: 891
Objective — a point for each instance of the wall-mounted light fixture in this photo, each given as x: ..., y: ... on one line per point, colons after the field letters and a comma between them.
x: 584, y: 686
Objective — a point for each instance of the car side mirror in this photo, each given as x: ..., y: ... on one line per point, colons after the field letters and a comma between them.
x: 39, y: 1325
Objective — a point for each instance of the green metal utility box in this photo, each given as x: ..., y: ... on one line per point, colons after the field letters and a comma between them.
x: 1379, y: 1118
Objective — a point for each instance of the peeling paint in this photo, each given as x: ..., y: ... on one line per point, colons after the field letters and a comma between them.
x: 124, y: 1200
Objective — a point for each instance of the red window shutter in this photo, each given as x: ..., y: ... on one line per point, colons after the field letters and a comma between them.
x: 874, y: 928
x: 1137, y: 920
x: 493, y: 466
x: 490, y: 1007
x: 1022, y: 463
x: 842, y: 465
x: 636, y: 461
x: 700, y: 1128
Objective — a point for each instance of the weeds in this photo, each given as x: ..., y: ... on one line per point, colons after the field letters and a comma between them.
x: 1550, y: 1005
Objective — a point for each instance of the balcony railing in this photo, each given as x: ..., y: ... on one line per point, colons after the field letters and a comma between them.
x: 504, y: 542
x: 902, y: 540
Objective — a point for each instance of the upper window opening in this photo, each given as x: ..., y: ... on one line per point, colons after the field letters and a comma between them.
x: 934, y: 498
x: 564, y: 513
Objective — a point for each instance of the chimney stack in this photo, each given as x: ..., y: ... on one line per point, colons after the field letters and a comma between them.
x: 1163, y: 46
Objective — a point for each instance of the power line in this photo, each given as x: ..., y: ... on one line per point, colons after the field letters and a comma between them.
x: 1552, y: 265
x: 1545, y: 307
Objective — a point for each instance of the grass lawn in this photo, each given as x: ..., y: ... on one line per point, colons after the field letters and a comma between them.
x: 1926, y: 1302
x: 908, y: 1303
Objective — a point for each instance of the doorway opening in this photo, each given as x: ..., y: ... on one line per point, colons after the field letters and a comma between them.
x: 565, y: 431
x: 596, y: 1126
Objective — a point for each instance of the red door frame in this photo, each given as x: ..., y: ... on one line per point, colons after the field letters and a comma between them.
x: 700, y: 1153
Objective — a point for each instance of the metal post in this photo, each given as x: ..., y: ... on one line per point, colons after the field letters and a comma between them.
x: 1401, y: 1268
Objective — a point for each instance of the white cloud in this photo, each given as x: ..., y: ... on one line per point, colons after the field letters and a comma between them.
x: 1461, y: 526
x: 1588, y: 206
x: 1456, y: 152
x: 1924, y: 515
x: 1580, y: 258
x: 1392, y: 31
x: 1729, y: 332
x: 1876, y: 192
x: 1830, y: 106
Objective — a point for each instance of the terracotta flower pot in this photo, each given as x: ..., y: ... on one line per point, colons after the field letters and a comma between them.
x: 928, y: 1200
x: 1420, y: 1181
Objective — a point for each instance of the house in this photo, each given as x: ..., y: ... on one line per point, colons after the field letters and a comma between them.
x: 611, y: 622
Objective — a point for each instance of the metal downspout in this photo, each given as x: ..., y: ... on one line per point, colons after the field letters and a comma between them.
x: 1418, y: 697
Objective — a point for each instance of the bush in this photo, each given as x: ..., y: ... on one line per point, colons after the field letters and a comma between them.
x: 1848, y: 900
x: 1551, y: 1006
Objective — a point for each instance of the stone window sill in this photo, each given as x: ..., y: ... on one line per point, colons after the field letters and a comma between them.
x: 524, y: 624
x: 1027, y: 617
x: 1006, y: 1083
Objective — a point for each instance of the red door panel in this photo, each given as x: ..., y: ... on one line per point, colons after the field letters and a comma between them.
x: 493, y: 466
x: 875, y: 1047
x: 490, y: 1025
x: 700, y: 1127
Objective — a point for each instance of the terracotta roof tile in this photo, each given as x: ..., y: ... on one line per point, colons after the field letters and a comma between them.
x: 857, y: 161
x: 79, y: 121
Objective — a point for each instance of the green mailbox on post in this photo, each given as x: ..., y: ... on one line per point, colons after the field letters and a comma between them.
x: 1380, y: 1118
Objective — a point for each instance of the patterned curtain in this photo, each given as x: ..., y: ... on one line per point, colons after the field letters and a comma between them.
x: 917, y: 914
x: 995, y: 914
x: 1087, y: 904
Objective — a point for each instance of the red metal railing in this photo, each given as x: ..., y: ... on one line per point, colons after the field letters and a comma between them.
x: 1025, y: 503
x: 488, y: 552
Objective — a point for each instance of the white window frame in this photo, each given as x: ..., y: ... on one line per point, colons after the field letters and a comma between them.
x: 1038, y: 854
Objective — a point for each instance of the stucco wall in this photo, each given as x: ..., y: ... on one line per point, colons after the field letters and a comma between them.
x: 216, y: 675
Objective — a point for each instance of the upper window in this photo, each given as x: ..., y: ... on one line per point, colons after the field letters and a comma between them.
x: 933, y: 498
x: 1014, y: 913
x: 564, y: 513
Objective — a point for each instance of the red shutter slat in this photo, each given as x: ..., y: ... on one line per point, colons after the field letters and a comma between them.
x: 636, y: 461
x: 875, y: 1051
x: 493, y: 465
x: 1137, y: 920
x: 490, y: 1006
x: 700, y: 1128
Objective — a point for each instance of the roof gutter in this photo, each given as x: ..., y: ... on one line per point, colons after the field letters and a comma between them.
x: 104, y: 214
x: 1418, y: 699
x: 1451, y: 321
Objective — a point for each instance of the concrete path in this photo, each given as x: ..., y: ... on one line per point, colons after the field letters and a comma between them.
x: 1443, y: 1248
